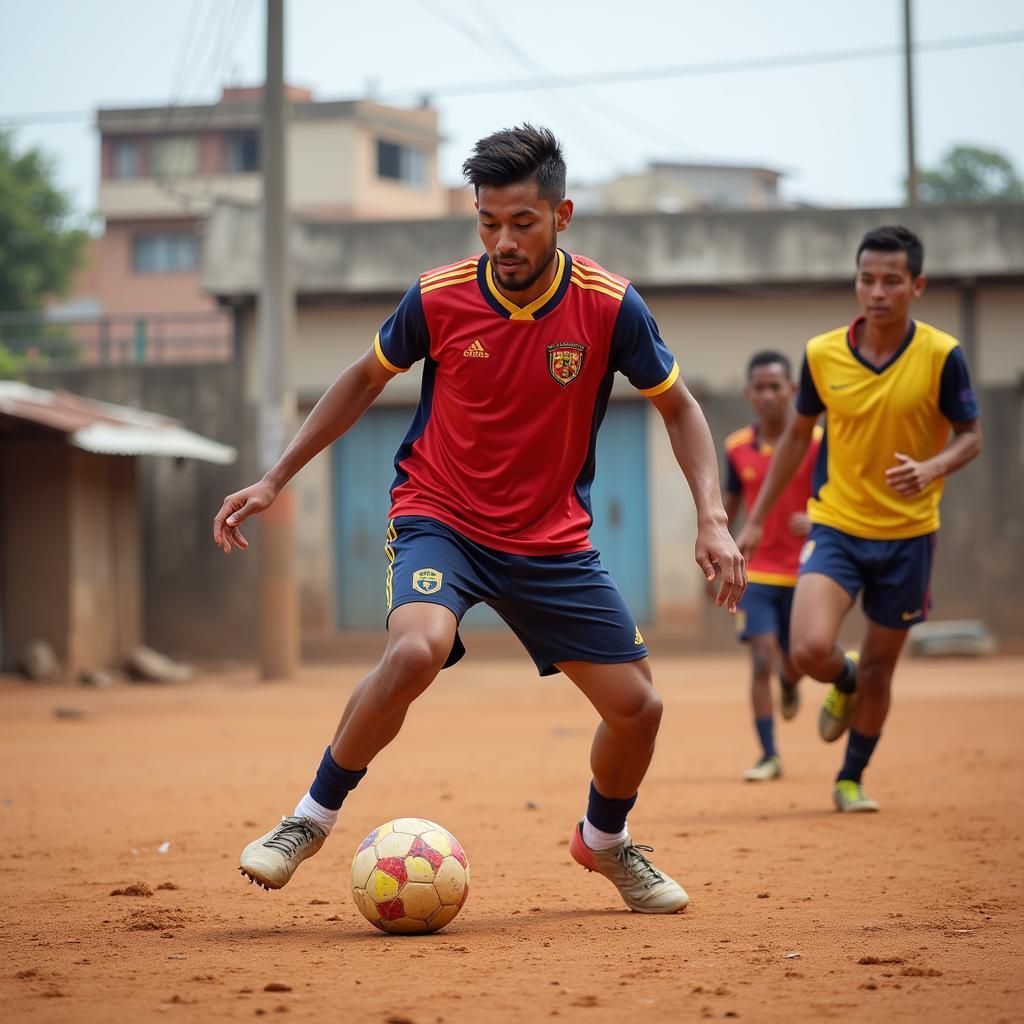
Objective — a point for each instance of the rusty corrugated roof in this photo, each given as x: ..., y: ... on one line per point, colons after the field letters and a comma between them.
x: 106, y: 428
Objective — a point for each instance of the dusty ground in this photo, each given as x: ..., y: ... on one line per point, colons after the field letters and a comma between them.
x: 796, y: 915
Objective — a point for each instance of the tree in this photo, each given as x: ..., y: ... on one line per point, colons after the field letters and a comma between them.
x: 39, y: 246
x: 969, y: 174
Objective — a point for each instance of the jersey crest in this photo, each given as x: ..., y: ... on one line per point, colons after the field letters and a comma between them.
x: 565, y: 360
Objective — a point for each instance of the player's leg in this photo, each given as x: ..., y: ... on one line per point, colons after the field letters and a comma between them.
x: 789, y: 674
x: 757, y: 624
x: 630, y: 709
x: 878, y: 657
x: 831, y: 576
x: 420, y: 637
x: 431, y: 582
x: 763, y: 658
x: 896, y: 594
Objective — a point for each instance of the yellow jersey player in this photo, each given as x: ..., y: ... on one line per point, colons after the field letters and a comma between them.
x: 891, y: 389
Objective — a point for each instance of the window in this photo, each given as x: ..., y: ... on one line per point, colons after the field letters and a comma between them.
x: 173, y: 157
x: 401, y: 163
x: 127, y: 159
x: 241, y: 153
x: 169, y: 253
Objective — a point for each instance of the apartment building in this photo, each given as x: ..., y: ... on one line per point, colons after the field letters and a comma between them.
x: 162, y: 168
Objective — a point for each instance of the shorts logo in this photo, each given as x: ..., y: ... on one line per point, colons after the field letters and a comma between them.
x: 806, y: 551
x: 910, y: 616
x: 427, y: 581
x: 740, y: 619
x: 565, y: 360
x: 638, y: 639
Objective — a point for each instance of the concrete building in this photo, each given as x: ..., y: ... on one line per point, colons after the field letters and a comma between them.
x: 162, y: 168
x: 721, y: 284
x: 671, y: 187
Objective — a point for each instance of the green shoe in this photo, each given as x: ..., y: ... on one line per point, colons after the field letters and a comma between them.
x: 850, y: 799
x: 766, y: 768
x: 834, y: 716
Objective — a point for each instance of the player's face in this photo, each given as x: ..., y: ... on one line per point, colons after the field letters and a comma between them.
x: 885, y: 287
x: 770, y: 392
x: 519, y: 229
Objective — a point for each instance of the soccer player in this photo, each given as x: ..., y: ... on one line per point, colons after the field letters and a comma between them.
x: 491, y: 499
x: 891, y: 389
x: 763, y: 618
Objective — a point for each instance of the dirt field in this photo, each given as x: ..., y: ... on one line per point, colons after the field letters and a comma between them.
x: 796, y: 914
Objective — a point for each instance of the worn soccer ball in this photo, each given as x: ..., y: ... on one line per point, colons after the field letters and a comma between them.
x: 410, y: 876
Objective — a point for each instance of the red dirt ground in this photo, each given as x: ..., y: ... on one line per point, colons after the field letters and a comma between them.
x: 797, y: 913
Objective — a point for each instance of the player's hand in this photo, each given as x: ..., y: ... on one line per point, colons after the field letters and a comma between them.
x: 909, y: 477
x: 236, y: 509
x: 716, y: 553
x: 799, y: 524
x: 750, y: 536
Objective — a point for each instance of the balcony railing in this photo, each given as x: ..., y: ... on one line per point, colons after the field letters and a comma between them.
x: 38, y: 341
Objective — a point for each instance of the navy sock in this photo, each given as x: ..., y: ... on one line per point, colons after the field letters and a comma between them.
x: 846, y: 681
x: 766, y: 734
x: 606, y: 814
x: 333, y: 783
x: 786, y: 683
x: 859, y: 749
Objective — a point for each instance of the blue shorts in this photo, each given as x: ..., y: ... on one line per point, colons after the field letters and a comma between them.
x: 895, y: 575
x: 764, y: 610
x: 562, y: 607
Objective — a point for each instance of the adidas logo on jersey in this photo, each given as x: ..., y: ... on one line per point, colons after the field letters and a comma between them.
x: 477, y: 351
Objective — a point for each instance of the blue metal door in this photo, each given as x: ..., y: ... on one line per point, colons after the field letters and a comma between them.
x: 363, y: 471
x: 619, y: 503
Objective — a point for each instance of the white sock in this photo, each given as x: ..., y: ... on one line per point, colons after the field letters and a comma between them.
x: 307, y: 807
x: 598, y: 840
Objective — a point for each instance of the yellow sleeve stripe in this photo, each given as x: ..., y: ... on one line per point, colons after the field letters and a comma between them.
x: 388, y: 365
x: 455, y: 268
x: 664, y: 385
x: 773, y: 579
x: 738, y: 438
x: 597, y: 288
x: 444, y: 284
x: 590, y: 274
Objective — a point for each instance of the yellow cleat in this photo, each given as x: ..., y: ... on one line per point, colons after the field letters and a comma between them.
x: 834, y: 716
x: 850, y: 799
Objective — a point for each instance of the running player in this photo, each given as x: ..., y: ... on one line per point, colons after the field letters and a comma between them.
x: 763, y: 618
x: 491, y: 501
x: 891, y: 389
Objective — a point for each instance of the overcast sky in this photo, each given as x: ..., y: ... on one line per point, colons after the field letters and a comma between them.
x: 835, y: 129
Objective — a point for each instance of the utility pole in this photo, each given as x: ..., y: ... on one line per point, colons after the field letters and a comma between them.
x: 908, y: 73
x: 278, y: 594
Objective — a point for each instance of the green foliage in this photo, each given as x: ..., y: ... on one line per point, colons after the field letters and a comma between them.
x: 11, y: 366
x: 970, y: 174
x: 39, y: 250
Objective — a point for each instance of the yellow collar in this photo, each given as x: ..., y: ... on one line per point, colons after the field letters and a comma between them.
x: 526, y: 312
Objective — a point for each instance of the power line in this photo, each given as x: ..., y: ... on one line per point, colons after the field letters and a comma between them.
x: 625, y: 75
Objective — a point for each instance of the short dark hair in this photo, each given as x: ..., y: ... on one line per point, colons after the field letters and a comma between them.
x: 895, y: 238
x: 768, y: 357
x: 518, y: 154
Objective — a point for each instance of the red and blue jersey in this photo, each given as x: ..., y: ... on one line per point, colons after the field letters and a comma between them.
x: 776, y: 560
x: 502, y: 445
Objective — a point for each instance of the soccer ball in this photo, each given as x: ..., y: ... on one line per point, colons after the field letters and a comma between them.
x: 410, y: 876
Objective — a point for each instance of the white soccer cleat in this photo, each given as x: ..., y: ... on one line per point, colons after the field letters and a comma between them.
x: 271, y: 860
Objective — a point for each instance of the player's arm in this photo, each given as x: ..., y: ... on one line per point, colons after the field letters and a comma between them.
x: 789, y: 454
x: 957, y: 403
x: 339, y: 408
x: 695, y: 452
x: 909, y: 477
x: 732, y: 504
x: 733, y: 499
